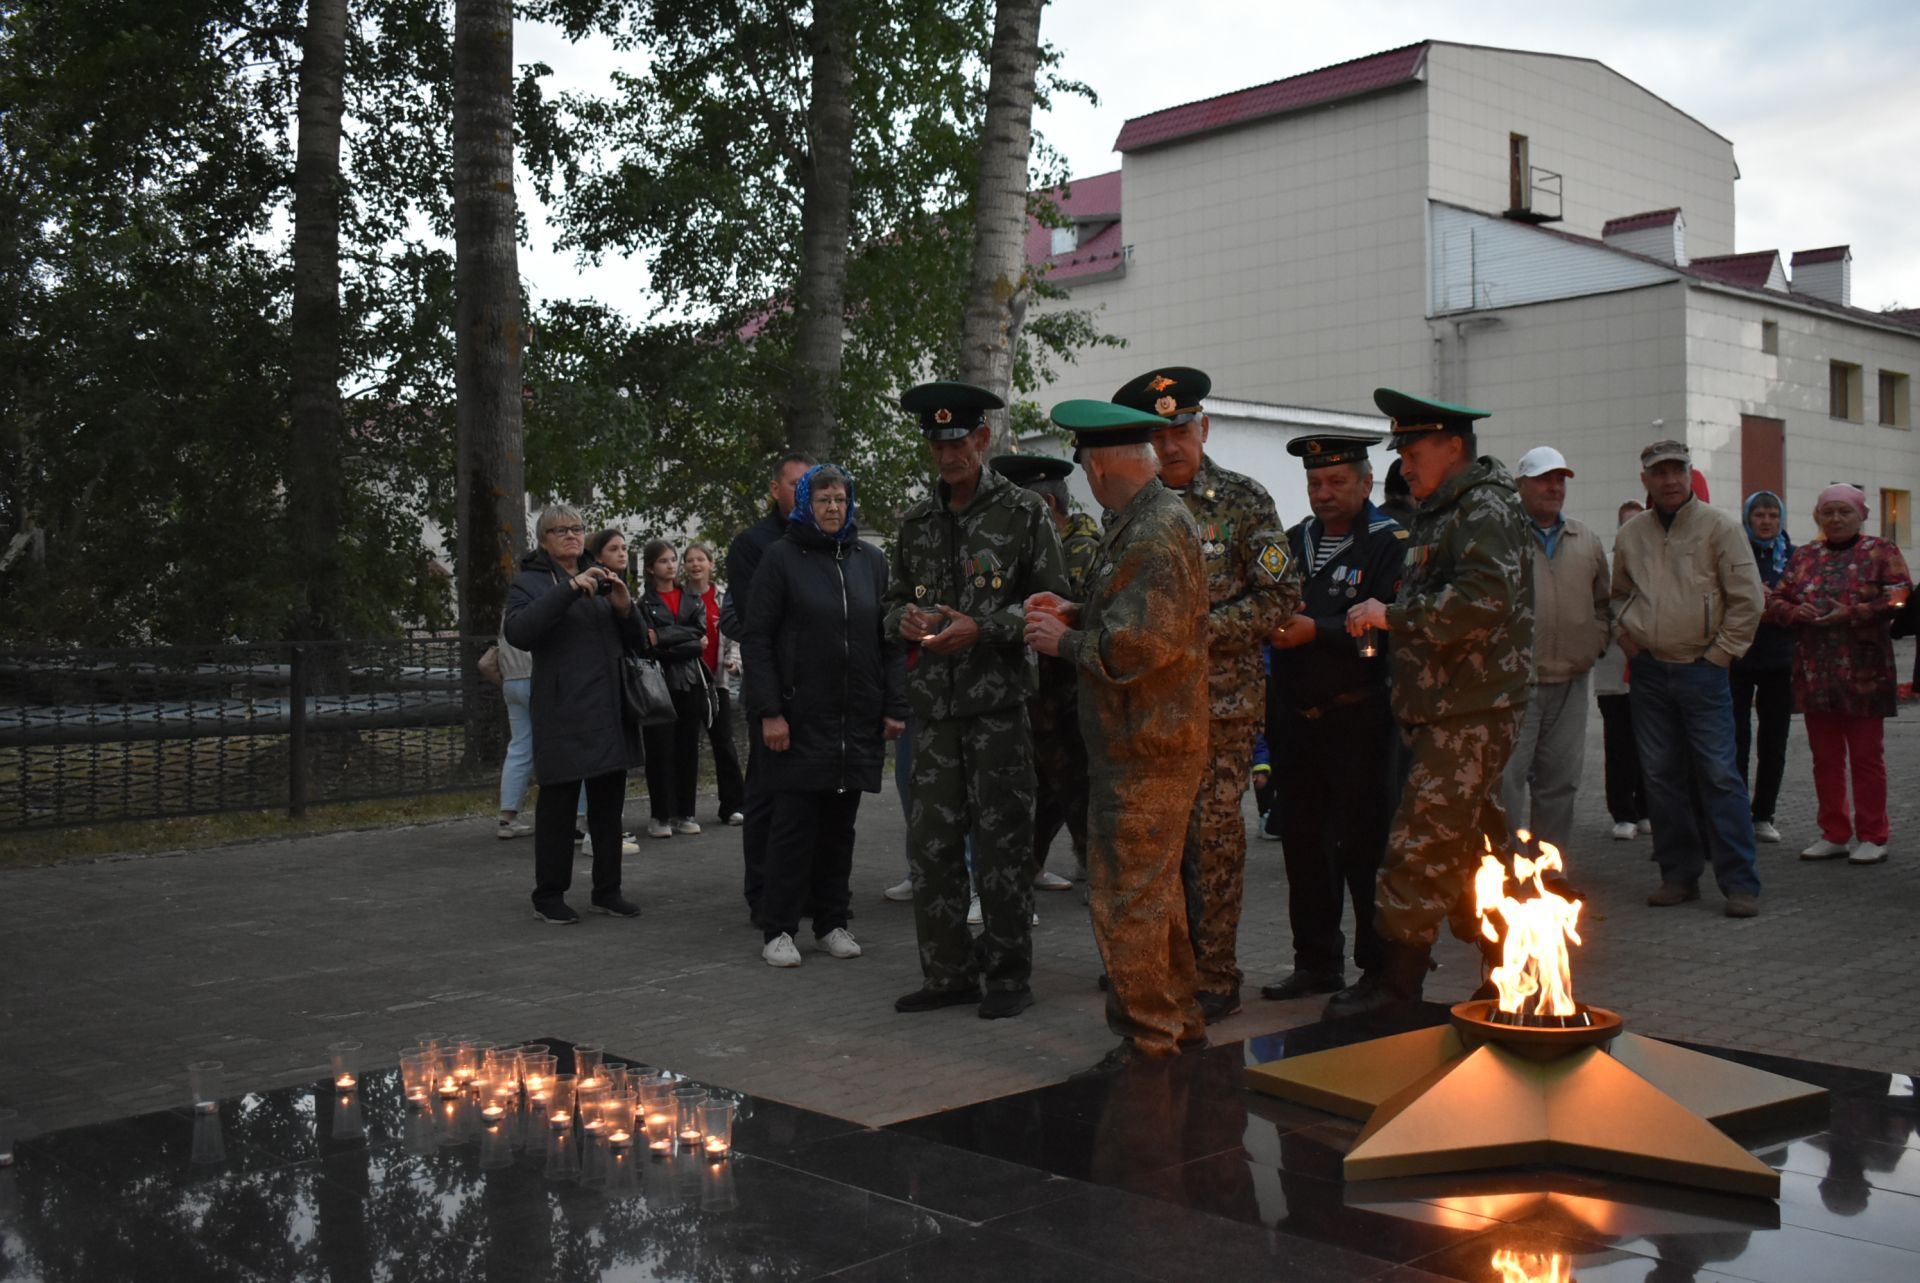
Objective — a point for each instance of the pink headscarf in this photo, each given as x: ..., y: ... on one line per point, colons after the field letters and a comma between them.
x: 1851, y: 494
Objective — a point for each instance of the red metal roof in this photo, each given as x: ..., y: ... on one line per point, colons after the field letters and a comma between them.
x: 1639, y: 222
x: 1087, y: 200
x: 1752, y: 269
x: 1831, y: 254
x: 1310, y: 89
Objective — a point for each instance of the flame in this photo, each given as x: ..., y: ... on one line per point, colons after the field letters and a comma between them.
x: 1532, y: 1267
x: 1535, y: 976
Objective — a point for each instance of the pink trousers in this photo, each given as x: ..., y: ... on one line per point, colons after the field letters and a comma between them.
x: 1840, y: 741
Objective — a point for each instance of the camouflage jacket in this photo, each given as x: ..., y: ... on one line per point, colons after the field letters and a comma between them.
x: 1462, y: 625
x: 985, y: 561
x: 1252, y: 582
x: 1141, y: 644
x: 1051, y: 707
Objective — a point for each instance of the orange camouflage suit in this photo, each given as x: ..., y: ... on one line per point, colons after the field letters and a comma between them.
x: 1141, y: 652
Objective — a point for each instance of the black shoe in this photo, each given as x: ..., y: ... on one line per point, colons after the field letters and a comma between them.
x: 1398, y: 980
x: 926, y: 999
x: 1001, y: 1003
x: 1215, y: 1007
x: 1368, y: 994
x: 557, y: 914
x: 1300, y: 982
x: 617, y: 906
x: 1104, y: 983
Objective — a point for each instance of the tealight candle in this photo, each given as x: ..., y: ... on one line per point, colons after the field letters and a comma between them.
x: 448, y: 1087
x: 536, y: 1082
x: 619, y: 1139
x: 561, y: 1118
x: 590, y: 1084
x: 493, y: 1113
x: 345, y: 1082
x: 716, y: 1144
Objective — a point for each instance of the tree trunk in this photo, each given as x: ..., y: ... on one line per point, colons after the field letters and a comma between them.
x: 999, y: 288
x: 826, y: 214
x: 490, y: 480
x: 316, y: 484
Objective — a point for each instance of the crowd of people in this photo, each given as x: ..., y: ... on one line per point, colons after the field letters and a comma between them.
x: 1413, y: 678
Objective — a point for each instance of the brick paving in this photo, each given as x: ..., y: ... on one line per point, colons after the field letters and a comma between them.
x: 119, y: 972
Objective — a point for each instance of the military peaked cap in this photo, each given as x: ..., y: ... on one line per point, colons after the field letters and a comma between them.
x: 949, y: 411
x: 1329, y: 448
x: 1025, y: 469
x: 1173, y: 392
x: 1101, y: 423
x: 1415, y: 416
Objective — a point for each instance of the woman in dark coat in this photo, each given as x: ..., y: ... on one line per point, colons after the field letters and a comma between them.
x: 678, y: 620
x: 578, y: 622
x: 827, y: 687
x: 1762, y: 679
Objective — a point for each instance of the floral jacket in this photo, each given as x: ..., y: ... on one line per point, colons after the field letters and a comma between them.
x: 1847, y: 667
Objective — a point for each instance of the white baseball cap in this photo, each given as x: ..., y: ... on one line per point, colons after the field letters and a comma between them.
x: 1541, y: 460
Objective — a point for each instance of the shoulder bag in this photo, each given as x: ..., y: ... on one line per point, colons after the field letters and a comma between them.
x: 643, y: 691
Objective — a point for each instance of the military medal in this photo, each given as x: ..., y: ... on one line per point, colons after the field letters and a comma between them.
x: 979, y: 581
x: 996, y: 581
x: 919, y: 591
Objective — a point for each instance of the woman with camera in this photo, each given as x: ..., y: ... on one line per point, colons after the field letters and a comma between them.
x: 578, y: 622
x: 678, y: 621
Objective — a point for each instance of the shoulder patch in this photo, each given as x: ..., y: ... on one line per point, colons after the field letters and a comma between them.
x: 1400, y: 534
x: 1274, y: 559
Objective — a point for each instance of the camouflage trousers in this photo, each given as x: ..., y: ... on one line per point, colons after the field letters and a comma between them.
x: 973, y: 777
x: 1136, y: 828
x: 1215, y: 860
x: 1450, y: 806
x: 1060, y: 769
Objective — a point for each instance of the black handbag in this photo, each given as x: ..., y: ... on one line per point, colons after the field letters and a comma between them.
x: 643, y: 690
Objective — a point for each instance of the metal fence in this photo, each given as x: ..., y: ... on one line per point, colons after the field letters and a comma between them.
x: 94, y: 736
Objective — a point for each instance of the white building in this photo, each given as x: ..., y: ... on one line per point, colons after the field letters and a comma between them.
x: 1528, y: 233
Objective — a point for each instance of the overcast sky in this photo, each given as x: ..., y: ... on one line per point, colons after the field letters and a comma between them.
x: 1821, y: 101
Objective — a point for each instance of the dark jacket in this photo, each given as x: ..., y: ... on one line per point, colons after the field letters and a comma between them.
x: 743, y: 558
x: 1330, y: 666
x: 679, y: 638
x: 580, y: 728
x: 1772, y: 649
x: 814, y: 653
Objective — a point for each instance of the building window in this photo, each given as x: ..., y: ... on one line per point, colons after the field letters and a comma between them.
x: 1896, y: 510
x: 1065, y: 240
x: 1770, y: 337
x: 1843, y: 390
x: 1896, y: 407
x: 1519, y: 174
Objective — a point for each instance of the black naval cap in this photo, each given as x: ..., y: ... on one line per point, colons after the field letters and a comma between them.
x: 1102, y: 423
x: 949, y: 411
x: 1173, y: 392
x: 1025, y: 469
x: 1329, y: 448
x: 1415, y: 416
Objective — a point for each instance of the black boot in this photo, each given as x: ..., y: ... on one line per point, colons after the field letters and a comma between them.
x: 1399, y: 978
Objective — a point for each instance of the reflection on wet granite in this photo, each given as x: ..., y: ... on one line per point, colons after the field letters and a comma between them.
x: 1167, y: 1172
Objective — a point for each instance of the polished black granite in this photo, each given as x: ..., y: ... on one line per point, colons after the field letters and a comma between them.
x: 1170, y: 1173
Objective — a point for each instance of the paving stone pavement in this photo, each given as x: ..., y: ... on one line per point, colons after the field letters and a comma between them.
x: 119, y: 972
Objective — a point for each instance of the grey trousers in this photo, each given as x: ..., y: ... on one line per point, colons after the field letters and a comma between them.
x: 1547, y: 760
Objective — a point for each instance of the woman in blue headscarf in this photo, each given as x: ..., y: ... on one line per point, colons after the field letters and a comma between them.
x: 1763, y: 677
x: 828, y: 687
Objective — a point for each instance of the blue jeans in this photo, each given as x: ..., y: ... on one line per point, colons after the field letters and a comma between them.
x: 516, y: 770
x: 1683, y: 726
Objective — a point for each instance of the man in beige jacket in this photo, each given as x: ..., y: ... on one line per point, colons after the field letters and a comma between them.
x: 1687, y: 598
x: 1572, y: 625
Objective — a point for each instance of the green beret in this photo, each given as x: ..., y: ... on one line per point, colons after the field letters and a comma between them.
x: 1025, y: 469
x: 1415, y: 416
x: 949, y: 411
x: 1172, y: 392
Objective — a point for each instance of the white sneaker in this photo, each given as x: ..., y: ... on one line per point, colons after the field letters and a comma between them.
x: 508, y: 829
x: 1034, y: 921
x: 1625, y: 831
x: 736, y: 819
x: 627, y: 846
x: 973, y: 912
x: 685, y: 825
x: 659, y: 829
x: 1868, y: 853
x: 1645, y: 826
x: 1764, y: 831
x: 839, y: 942
x: 780, y: 952
x: 900, y: 891
x: 1050, y: 881
x: 1824, y: 850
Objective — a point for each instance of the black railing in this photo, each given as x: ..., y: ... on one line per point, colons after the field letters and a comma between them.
x: 93, y: 736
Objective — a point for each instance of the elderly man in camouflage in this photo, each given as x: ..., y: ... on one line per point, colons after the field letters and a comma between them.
x: 966, y: 559
x: 1059, y: 751
x: 1462, y: 632
x: 1139, y: 644
x: 1253, y: 587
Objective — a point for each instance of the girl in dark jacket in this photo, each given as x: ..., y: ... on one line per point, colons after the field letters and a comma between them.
x: 1763, y: 677
x: 678, y: 622
x: 578, y: 621
x: 827, y: 687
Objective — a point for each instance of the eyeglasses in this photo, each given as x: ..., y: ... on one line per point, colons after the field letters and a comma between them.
x: 566, y: 530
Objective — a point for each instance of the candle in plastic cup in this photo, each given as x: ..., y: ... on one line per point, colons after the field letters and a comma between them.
x: 204, y: 1078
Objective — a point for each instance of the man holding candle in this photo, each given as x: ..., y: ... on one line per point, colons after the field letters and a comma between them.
x: 1462, y: 654
x: 1139, y: 646
x: 966, y: 557
x: 1330, y: 728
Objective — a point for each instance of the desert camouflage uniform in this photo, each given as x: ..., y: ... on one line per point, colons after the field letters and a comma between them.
x: 972, y: 751
x: 1059, y: 751
x: 1141, y: 653
x: 1462, y: 630
x: 1254, y: 586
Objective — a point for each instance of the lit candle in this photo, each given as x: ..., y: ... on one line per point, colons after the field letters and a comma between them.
x: 345, y: 1082
x: 464, y: 1074
x: 493, y: 1113
x: 716, y: 1144
x: 448, y: 1087
x: 561, y: 1118
x: 536, y: 1082
x: 689, y: 1135
x: 590, y: 1084
x: 619, y: 1139
x: 418, y: 1095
